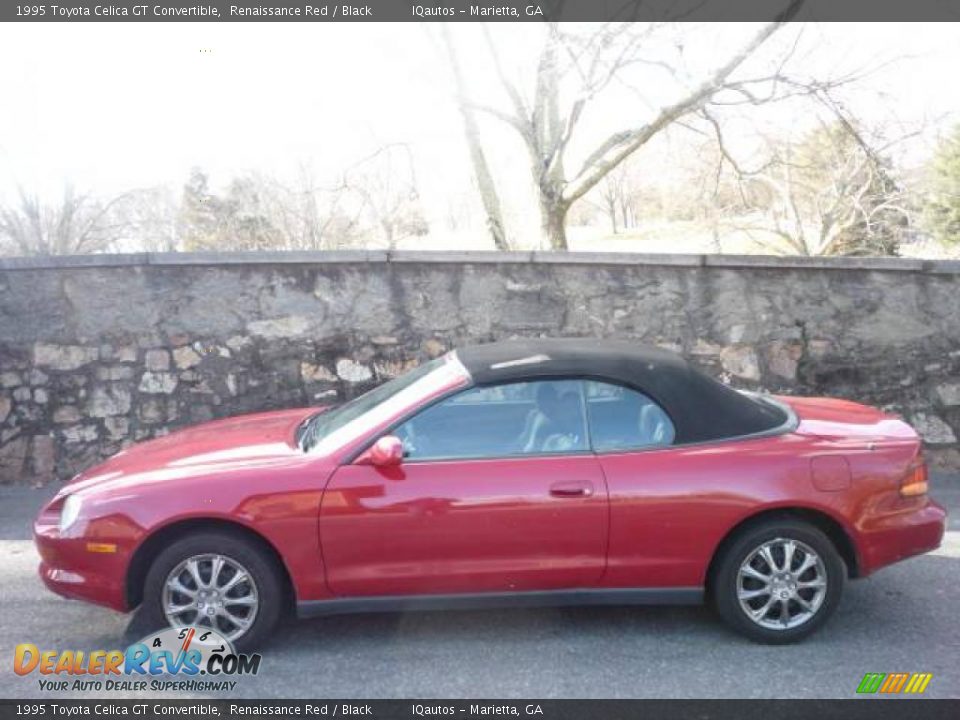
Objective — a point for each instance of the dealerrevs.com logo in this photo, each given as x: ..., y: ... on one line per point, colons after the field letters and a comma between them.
x: 189, y: 659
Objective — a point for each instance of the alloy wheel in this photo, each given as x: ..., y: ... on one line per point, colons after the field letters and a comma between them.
x: 781, y: 584
x: 211, y: 590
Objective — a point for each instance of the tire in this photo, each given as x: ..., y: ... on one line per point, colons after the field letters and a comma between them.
x: 257, y: 600
x: 809, y: 604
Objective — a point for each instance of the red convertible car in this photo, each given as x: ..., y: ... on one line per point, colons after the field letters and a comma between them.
x: 540, y: 472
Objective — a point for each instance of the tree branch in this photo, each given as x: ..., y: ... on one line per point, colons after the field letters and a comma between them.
x: 620, y: 145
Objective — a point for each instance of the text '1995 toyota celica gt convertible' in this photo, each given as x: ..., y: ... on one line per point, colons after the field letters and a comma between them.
x: 534, y: 472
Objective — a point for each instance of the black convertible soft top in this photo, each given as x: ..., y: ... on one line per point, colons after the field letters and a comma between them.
x: 701, y: 408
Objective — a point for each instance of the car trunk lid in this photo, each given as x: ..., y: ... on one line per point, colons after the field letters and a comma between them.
x: 832, y: 417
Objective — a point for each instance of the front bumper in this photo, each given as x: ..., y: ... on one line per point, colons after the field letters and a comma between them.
x: 915, y: 529
x: 70, y: 569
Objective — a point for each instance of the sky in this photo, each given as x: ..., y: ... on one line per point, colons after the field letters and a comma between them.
x: 108, y: 107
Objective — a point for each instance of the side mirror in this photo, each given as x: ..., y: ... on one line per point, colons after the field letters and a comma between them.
x: 385, y: 452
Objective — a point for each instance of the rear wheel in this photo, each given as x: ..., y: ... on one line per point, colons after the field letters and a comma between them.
x: 218, y: 580
x: 778, y: 581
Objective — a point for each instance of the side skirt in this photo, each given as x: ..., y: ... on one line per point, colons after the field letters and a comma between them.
x: 480, y: 601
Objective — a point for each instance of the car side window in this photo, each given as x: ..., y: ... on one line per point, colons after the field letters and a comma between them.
x: 624, y: 419
x: 516, y: 419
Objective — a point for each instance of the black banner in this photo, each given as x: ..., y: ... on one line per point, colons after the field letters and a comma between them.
x: 861, y: 709
x: 475, y: 11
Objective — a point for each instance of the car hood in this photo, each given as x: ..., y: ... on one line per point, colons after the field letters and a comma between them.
x: 246, y: 441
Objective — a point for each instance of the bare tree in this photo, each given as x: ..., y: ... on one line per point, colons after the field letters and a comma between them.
x: 481, y: 169
x: 75, y: 224
x: 593, y: 62
x: 257, y: 211
x: 150, y: 219
x: 618, y: 195
x: 386, y: 184
x: 829, y: 193
x: 310, y: 216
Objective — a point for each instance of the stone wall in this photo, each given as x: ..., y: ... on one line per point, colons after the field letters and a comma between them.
x: 98, y: 352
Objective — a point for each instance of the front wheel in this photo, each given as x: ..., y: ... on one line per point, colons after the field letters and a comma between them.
x: 779, y: 581
x: 217, y: 580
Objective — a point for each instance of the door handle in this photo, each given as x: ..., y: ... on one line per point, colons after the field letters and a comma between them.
x: 571, y: 489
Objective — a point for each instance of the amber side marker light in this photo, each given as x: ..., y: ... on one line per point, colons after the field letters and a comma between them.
x: 915, y: 482
x: 101, y: 547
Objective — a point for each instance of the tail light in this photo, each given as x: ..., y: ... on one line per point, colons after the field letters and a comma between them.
x: 915, y: 481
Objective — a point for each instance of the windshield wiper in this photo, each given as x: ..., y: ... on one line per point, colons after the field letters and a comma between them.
x: 301, y: 430
x: 307, y: 433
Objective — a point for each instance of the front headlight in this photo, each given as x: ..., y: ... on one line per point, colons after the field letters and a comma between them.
x: 69, y: 511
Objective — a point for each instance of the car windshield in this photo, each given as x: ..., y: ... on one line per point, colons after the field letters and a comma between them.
x: 323, y: 424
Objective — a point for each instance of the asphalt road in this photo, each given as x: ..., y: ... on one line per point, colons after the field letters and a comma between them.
x: 904, y: 619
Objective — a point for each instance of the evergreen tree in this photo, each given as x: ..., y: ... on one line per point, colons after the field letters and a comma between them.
x: 942, y: 211
x: 198, y: 216
x: 234, y: 221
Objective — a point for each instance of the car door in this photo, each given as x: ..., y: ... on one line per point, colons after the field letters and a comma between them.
x: 498, y: 492
x: 662, y: 519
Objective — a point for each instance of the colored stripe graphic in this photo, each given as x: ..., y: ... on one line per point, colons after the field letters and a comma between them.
x: 871, y: 682
x: 918, y: 683
x: 892, y: 683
